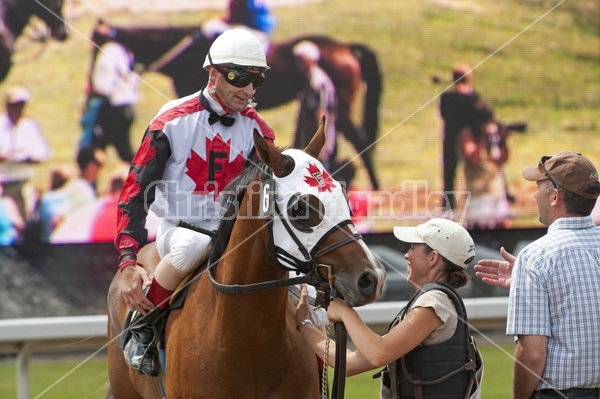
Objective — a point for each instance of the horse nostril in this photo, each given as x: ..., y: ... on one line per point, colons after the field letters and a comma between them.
x: 368, y: 284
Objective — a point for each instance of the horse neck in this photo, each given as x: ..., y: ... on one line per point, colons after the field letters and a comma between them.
x: 246, y: 260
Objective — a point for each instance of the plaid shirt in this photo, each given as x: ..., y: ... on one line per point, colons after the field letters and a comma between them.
x: 555, y: 292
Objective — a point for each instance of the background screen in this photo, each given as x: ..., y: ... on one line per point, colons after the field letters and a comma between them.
x: 534, y: 66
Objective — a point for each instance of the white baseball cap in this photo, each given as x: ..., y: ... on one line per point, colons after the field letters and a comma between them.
x: 17, y: 95
x: 449, y: 238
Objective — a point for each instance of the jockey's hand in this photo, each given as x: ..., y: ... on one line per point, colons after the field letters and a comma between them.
x: 302, y: 309
x: 135, y: 279
x: 496, y: 272
x: 336, y: 309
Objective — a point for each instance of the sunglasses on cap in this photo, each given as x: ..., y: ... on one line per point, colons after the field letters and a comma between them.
x: 542, y: 169
x: 238, y: 76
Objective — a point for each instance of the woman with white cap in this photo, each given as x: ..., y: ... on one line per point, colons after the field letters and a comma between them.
x: 317, y: 99
x: 427, y: 351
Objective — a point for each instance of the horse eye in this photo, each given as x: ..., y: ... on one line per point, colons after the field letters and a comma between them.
x: 305, y: 212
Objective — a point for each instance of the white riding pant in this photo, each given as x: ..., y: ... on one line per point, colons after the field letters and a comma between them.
x: 186, y: 248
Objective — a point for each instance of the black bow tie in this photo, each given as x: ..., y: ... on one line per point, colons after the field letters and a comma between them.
x: 214, y: 117
x: 225, y: 120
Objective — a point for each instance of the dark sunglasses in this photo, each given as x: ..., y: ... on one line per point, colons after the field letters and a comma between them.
x: 542, y: 169
x: 239, y: 77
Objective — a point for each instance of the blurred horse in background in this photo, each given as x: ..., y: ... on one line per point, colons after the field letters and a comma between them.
x: 179, y: 51
x: 15, y: 17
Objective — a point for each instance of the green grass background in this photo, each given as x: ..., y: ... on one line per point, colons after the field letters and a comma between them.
x: 536, y: 61
x: 74, y: 379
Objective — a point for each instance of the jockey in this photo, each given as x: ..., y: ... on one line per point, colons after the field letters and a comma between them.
x: 190, y: 151
x: 253, y: 15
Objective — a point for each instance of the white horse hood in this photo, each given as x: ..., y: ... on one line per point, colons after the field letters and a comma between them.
x: 308, y: 177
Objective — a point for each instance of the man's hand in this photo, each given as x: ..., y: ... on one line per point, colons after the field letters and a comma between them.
x: 135, y: 279
x: 496, y: 272
x: 302, y: 309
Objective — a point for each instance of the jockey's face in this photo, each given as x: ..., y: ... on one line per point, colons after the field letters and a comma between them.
x: 234, y: 98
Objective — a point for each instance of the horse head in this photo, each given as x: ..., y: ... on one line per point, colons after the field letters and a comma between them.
x: 311, y: 227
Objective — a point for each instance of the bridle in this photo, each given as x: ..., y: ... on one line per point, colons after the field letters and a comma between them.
x: 309, y: 268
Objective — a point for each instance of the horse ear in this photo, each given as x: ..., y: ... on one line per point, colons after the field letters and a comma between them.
x: 270, y: 155
x: 318, y: 141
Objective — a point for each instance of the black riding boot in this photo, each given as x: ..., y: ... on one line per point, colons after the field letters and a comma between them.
x: 140, y: 351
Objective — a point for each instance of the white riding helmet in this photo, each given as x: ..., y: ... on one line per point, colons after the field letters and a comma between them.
x: 236, y: 47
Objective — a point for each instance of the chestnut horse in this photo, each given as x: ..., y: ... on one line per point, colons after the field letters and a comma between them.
x: 178, y: 52
x: 235, y: 335
x: 15, y: 15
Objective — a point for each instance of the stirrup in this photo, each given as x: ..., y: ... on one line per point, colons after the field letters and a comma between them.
x: 147, y: 361
x: 153, y: 358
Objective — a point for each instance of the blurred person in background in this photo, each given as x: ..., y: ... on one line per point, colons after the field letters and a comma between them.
x: 69, y: 192
x: 110, y: 106
x: 21, y: 137
x: 253, y: 15
x: 458, y: 111
x: 22, y: 146
x: 484, y: 153
x: 11, y: 222
x: 317, y: 100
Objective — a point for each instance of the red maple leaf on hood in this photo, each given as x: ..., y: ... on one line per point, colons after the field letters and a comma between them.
x: 319, y: 178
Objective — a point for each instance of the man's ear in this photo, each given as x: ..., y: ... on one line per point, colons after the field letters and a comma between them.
x: 212, y: 74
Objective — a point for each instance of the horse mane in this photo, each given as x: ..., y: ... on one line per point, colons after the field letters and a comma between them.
x: 231, y: 199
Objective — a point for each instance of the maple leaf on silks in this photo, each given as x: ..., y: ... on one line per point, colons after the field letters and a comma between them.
x: 319, y: 178
x: 214, y: 173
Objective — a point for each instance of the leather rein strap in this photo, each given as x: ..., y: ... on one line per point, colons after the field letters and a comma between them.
x: 339, y: 378
x: 311, y: 277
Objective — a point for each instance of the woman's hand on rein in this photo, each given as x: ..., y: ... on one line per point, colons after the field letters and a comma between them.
x: 336, y: 309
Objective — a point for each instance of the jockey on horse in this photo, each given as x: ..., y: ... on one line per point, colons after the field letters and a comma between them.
x: 190, y: 151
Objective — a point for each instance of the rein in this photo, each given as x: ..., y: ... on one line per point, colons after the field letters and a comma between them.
x: 339, y: 378
x: 311, y: 277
